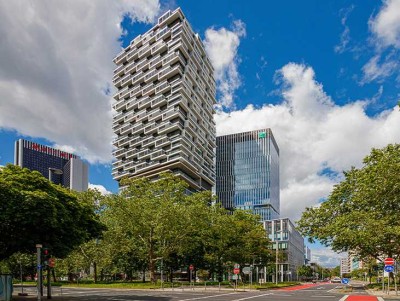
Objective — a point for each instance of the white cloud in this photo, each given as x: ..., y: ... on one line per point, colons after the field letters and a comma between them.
x: 385, y: 37
x: 345, y: 36
x: 222, y: 46
x: 326, y: 257
x: 374, y: 70
x: 56, y: 63
x: 314, y: 135
x: 386, y: 24
x: 100, y: 188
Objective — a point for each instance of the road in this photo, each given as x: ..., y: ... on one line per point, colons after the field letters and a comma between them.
x: 318, y: 292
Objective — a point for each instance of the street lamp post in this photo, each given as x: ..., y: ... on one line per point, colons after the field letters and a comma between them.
x: 39, y: 271
x: 276, y: 261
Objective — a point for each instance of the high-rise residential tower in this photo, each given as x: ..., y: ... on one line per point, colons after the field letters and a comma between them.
x: 58, y: 166
x: 247, y: 174
x: 164, y: 105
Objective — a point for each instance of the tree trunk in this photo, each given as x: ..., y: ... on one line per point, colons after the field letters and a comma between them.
x: 151, y: 261
x: 95, y: 271
x: 54, y: 275
x: 144, y: 275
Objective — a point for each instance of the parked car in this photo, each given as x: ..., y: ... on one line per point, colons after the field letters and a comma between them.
x: 336, y: 280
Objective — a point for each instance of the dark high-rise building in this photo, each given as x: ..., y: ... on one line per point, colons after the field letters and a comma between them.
x: 164, y: 105
x: 58, y: 166
x: 247, y: 173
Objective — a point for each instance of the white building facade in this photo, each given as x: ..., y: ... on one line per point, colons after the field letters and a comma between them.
x: 164, y: 105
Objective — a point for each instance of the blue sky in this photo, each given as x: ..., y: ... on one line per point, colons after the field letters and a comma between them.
x: 323, y: 75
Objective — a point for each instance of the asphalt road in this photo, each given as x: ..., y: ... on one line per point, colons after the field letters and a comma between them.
x: 320, y: 292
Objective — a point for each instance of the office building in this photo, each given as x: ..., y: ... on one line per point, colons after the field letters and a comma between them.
x: 345, y: 266
x: 247, y: 172
x: 290, y: 244
x: 58, y: 166
x: 164, y: 105
x: 307, y: 255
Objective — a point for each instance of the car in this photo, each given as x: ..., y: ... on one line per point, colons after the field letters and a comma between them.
x: 336, y: 280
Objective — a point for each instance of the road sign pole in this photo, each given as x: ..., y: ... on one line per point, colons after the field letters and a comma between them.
x: 48, y: 283
x: 39, y: 271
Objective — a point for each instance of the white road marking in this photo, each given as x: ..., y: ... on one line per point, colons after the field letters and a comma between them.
x: 380, y: 299
x: 252, y: 297
x: 344, y: 298
x: 213, y: 296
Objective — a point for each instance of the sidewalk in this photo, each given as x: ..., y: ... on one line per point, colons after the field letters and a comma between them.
x: 385, y: 295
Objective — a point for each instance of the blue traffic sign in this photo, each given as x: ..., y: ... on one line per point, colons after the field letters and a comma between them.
x: 39, y: 266
x: 345, y: 281
x: 389, y: 268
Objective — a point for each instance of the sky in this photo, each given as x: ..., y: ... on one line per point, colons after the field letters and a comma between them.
x: 323, y: 75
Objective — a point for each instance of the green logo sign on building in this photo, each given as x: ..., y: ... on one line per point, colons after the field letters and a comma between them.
x: 262, y: 135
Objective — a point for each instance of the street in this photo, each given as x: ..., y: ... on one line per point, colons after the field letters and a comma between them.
x: 318, y: 292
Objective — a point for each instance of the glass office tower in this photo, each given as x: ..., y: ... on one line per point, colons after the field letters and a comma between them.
x: 247, y: 173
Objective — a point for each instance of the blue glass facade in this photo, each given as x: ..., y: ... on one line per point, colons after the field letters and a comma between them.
x: 247, y: 176
x: 39, y: 157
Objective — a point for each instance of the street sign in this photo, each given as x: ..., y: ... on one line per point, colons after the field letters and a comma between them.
x: 389, y: 261
x: 237, y: 266
x: 389, y: 268
x: 191, y: 267
x: 345, y: 281
x: 236, y: 271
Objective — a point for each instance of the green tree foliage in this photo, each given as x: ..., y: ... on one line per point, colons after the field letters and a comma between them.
x: 362, y: 212
x: 335, y: 271
x: 305, y: 271
x: 235, y: 238
x: 152, y: 221
x: 35, y: 211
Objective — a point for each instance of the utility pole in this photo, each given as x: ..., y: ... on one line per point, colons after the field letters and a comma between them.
x: 39, y: 271
x: 276, y: 261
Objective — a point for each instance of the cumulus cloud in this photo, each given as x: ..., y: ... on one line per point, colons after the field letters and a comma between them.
x: 100, y: 188
x: 386, y: 24
x: 385, y: 37
x: 326, y: 257
x: 56, y: 68
x: 317, y: 138
x: 222, y: 46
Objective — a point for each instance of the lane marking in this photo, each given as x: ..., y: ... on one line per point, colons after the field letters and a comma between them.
x: 380, y: 299
x: 344, y: 298
x: 213, y: 296
x: 252, y: 297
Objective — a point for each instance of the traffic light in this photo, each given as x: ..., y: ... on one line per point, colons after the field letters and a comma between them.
x: 45, y: 256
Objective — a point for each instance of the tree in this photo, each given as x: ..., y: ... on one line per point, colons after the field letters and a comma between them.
x: 234, y: 238
x: 361, y: 213
x: 153, y: 219
x: 336, y: 271
x: 305, y: 272
x: 35, y: 211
